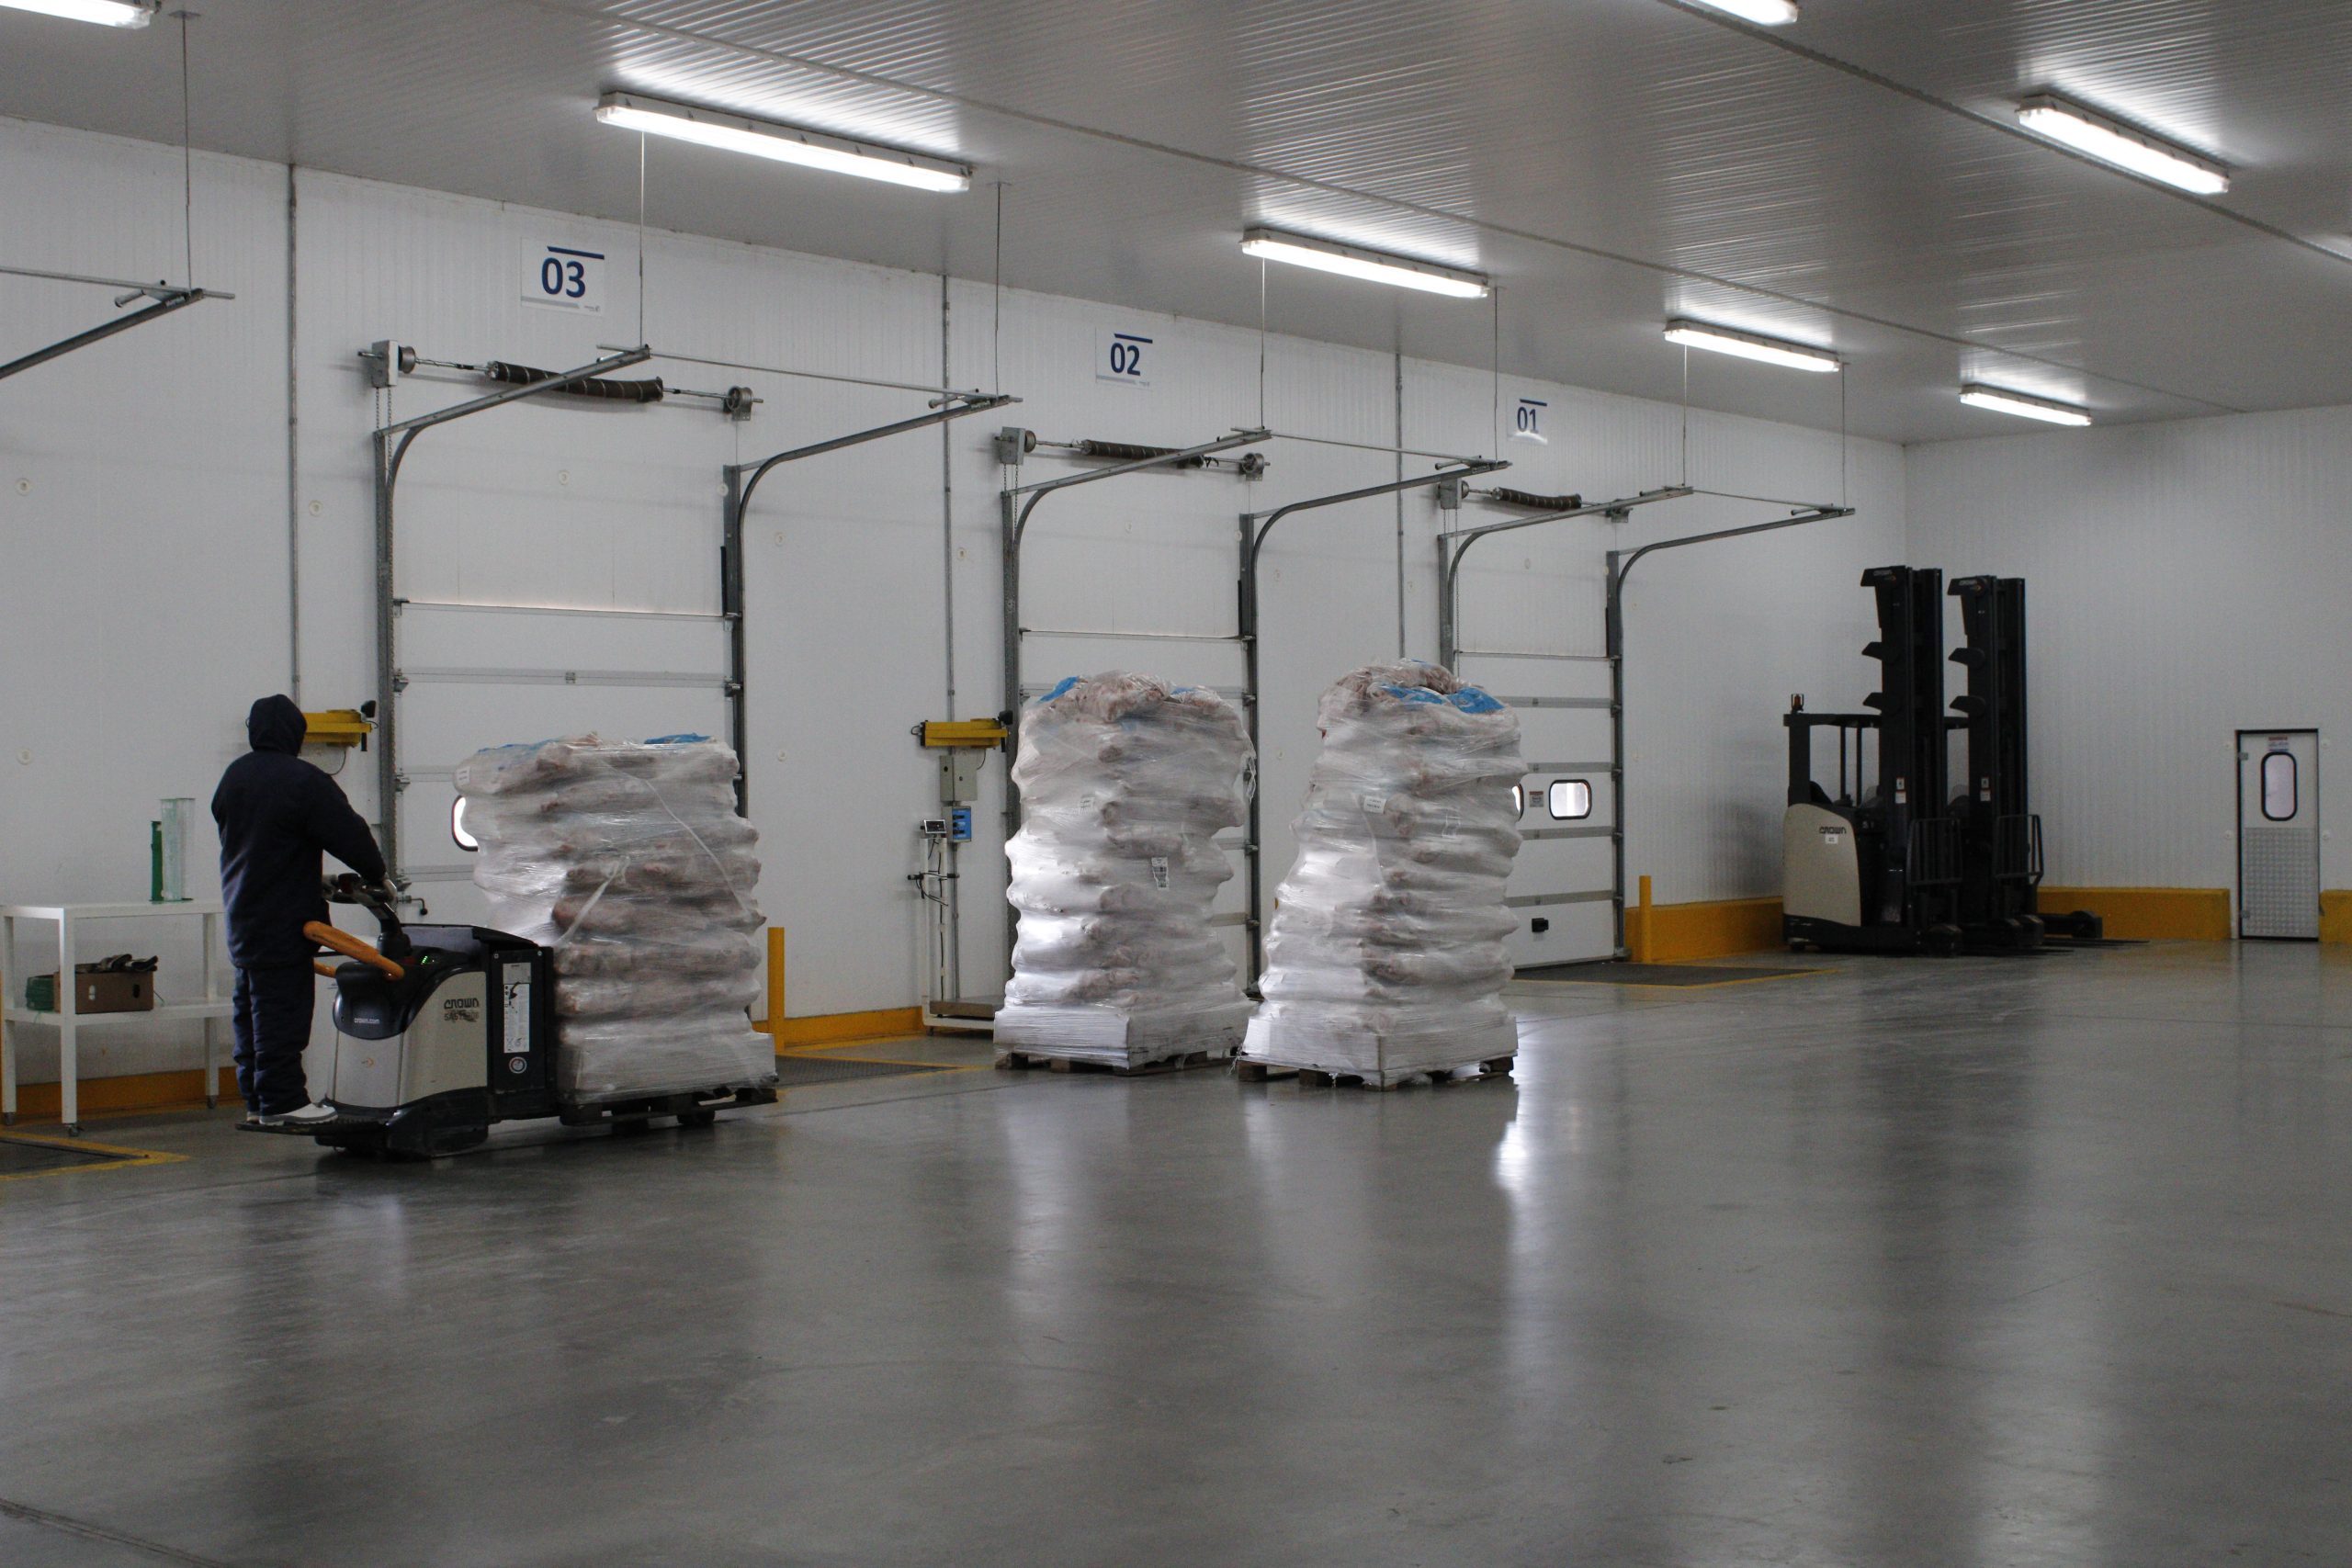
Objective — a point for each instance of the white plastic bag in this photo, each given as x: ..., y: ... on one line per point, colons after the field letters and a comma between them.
x: 629, y: 860
x: 1385, y: 955
x: 1124, y: 782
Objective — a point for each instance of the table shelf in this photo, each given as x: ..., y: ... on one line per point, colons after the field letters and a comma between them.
x: 220, y: 1009
x: 205, y: 1010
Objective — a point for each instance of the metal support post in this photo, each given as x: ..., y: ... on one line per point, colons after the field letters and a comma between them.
x: 731, y: 605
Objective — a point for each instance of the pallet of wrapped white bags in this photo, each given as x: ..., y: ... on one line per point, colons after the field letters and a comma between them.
x: 1118, y: 1040
x: 1330, y: 1054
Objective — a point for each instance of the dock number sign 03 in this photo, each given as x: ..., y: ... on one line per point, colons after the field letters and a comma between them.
x: 562, y: 277
x: 1128, y: 358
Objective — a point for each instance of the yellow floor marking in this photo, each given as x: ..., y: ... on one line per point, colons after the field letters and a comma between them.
x: 123, y: 1157
x: 825, y: 1053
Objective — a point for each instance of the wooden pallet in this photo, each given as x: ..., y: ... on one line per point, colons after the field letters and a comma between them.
x: 1315, y: 1077
x: 1026, y: 1061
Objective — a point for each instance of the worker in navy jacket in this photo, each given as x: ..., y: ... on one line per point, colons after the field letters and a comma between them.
x: 277, y: 813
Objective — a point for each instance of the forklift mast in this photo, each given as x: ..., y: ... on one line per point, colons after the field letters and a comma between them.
x: 2002, y: 836
x: 1919, y: 848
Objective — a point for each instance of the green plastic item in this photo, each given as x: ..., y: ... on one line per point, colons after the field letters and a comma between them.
x: 40, y: 993
x: 154, y: 863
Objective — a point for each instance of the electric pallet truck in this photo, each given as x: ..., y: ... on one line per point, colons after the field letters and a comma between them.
x: 443, y: 1031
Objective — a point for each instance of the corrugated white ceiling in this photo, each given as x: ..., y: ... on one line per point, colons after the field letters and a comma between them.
x: 1853, y: 180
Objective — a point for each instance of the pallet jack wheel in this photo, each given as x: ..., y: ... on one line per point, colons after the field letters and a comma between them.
x: 697, y: 1117
x: 1943, y: 942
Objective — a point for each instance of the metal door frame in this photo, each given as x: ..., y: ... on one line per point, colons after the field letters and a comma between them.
x: 1016, y: 513
x: 1619, y: 565
x: 742, y: 483
x: 390, y: 679
x: 1255, y: 527
x: 2237, y: 828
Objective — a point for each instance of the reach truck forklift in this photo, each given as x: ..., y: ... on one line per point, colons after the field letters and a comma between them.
x: 443, y: 1031
x: 1876, y: 867
x: 1894, y: 862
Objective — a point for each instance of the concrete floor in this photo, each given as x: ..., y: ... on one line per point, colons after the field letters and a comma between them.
x: 1976, y: 1262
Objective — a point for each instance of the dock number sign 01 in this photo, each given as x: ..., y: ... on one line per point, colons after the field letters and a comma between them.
x: 1128, y: 358
x: 561, y: 278
x: 1527, y: 424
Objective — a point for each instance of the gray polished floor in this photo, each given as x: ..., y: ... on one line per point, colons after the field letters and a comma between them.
x: 1978, y: 1262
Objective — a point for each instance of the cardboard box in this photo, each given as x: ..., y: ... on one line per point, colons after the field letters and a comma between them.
x: 113, y: 991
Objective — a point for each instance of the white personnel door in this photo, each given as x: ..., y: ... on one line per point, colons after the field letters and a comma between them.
x: 2278, y: 834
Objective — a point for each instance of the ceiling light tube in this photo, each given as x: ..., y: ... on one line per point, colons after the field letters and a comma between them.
x: 105, y: 13
x: 785, y: 144
x: 2127, y: 147
x: 2023, y: 404
x: 1750, y: 345
x: 1763, y: 13
x: 1353, y: 261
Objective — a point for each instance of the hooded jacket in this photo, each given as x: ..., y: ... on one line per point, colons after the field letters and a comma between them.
x: 277, y: 813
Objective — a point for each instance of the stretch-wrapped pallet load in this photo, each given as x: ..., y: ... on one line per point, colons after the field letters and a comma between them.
x: 1125, y: 784
x: 1385, y: 957
x: 631, y: 863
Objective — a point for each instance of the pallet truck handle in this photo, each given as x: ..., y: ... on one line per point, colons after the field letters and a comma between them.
x: 349, y: 946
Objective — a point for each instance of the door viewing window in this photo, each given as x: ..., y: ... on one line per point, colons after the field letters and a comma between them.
x: 2278, y: 786
x: 1570, y: 799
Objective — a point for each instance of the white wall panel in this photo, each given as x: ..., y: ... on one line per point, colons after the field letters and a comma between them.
x: 146, y: 596
x: 2183, y: 581
x: 142, y: 528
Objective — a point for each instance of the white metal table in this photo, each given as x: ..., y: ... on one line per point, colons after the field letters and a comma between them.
x: 68, y: 1021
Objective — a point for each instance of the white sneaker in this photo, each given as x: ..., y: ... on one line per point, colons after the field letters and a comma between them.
x: 309, y: 1116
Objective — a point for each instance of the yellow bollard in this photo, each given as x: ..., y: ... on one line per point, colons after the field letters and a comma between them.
x: 776, y: 980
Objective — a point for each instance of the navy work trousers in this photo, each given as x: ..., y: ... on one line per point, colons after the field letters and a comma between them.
x: 273, y: 1026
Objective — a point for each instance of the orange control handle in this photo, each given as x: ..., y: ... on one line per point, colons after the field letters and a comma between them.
x: 350, y: 947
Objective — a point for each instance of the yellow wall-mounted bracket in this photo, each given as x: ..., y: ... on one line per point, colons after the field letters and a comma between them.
x: 962, y: 732
x: 338, y: 727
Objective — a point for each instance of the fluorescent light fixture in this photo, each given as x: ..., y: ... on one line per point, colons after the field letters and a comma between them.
x: 785, y: 144
x: 1764, y: 12
x: 105, y: 13
x: 1749, y: 346
x: 1353, y: 261
x: 2024, y: 405
x: 2113, y: 141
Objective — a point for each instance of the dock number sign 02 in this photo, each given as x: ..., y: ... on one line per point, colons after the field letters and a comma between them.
x: 561, y: 278
x: 1128, y: 358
